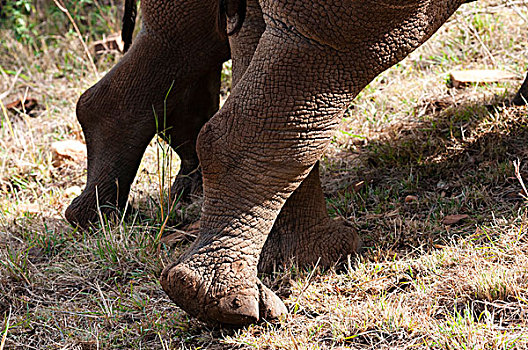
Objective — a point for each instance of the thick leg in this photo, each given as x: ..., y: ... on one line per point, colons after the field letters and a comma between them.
x: 254, y: 153
x: 271, y: 132
x: 179, y: 44
x: 244, y: 43
x: 305, y: 233
x: 303, y: 230
x: 522, y: 96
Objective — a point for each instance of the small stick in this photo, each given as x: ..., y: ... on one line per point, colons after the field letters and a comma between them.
x: 307, y: 284
x: 86, y: 50
x: 517, y: 165
x: 517, y: 11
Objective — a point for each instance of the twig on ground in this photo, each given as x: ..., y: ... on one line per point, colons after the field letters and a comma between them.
x: 306, y: 285
x: 12, y: 85
x: 517, y: 10
x: 293, y: 340
x: 517, y: 165
x: 72, y: 21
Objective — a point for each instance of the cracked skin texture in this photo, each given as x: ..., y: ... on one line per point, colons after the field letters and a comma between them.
x: 310, y: 61
x: 116, y: 114
x: 372, y: 36
x: 120, y: 105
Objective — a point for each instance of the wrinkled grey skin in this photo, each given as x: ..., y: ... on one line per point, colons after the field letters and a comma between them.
x: 296, y: 68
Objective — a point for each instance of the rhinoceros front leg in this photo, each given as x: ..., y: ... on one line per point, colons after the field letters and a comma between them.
x: 254, y: 154
x: 118, y: 123
x: 303, y: 230
x: 179, y: 46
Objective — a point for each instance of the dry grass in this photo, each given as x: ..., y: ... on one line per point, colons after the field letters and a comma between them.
x: 418, y: 284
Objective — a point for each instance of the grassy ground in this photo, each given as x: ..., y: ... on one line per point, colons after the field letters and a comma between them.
x: 411, y: 153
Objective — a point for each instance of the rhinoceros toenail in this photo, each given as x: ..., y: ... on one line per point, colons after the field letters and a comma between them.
x: 236, y: 303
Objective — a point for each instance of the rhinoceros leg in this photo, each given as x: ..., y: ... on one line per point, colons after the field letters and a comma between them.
x: 117, y: 139
x: 303, y: 231
x: 179, y: 49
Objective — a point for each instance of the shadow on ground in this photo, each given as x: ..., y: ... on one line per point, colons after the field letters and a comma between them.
x: 400, y: 186
x: 397, y: 187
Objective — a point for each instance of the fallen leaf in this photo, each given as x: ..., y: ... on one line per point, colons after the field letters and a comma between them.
x: 23, y: 106
x: 89, y: 345
x: 24, y: 167
x: 113, y: 42
x: 36, y: 254
x: 73, y: 191
x: 195, y: 226
x: 410, y: 199
x: 465, y: 77
x: 454, y: 219
x: 32, y: 208
x: 442, y: 185
x: 63, y: 151
x: 177, y: 236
